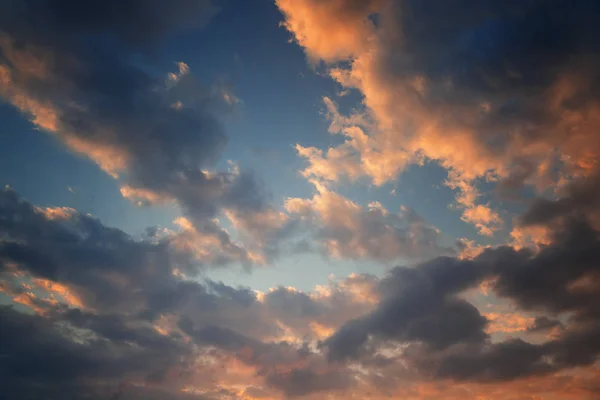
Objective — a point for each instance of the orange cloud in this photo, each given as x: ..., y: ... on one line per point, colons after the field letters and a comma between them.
x: 57, y: 289
x: 25, y: 296
x: 347, y: 230
x: 485, y: 220
x: 42, y: 115
x: 530, y: 236
x: 411, y: 122
x: 507, y: 322
x: 29, y: 62
x: 110, y: 158
x: 258, y: 230
x: 328, y: 38
x: 577, y: 384
x: 141, y: 196
x: 57, y: 213
x: 469, y: 249
x: 211, y: 245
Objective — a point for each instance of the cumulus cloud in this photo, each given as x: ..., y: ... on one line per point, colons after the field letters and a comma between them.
x: 100, y: 313
x: 122, y: 316
x: 344, y: 229
x: 496, y: 92
x: 326, y: 38
x: 102, y: 266
x: 580, y: 196
x: 423, y: 313
x: 544, y: 324
x: 60, y: 360
x: 72, y: 70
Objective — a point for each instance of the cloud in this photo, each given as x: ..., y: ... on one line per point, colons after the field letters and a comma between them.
x: 485, y: 220
x: 580, y: 196
x: 359, y: 155
x: 326, y: 38
x: 121, y: 316
x: 210, y: 244
x: 71, y: 69
x: 104, y: 268
x: 99, y: 314
x: 61, y: 354
x: 312, y: 315
x: 507, y: 322
x: 415, y: 306
x: 423, y: 313
x: 292, y: 370
x: 473, y: 87
x: 346, y: 230
x: 544, y: 324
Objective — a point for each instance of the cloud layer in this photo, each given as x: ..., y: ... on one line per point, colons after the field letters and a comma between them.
x: 496, y: 92
x: 122, y: 318
x: 499, y: 94
x: 75, y: 72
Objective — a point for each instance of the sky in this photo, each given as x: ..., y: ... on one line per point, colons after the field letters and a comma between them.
x: 300, y: 199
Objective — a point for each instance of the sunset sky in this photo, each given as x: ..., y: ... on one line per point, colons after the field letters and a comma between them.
x: 300, y: 199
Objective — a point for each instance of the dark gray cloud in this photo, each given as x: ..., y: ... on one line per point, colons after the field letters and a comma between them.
x: 515, y: 74
x: 515, y: 358
x: 304, y: 381
x: 419, y: 305
x: 299, y: 310
x: 302, y: 377
x: 133, y: 21
x: 109, y: 271
x: 485, y: 32
x: 126, y: 286
x: 291, y: 303
x: 104, y: 266
x: 579, y: 196
x: 541, y: 324
x: 44, y: 356
x: 549, y: 280
x: 111, y: 342
x: 503, y: 361
x: 423, y: 308
x: 503, y: 51
x: 131, y: 284
x: 510, y: 187
x: 78, y: 68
